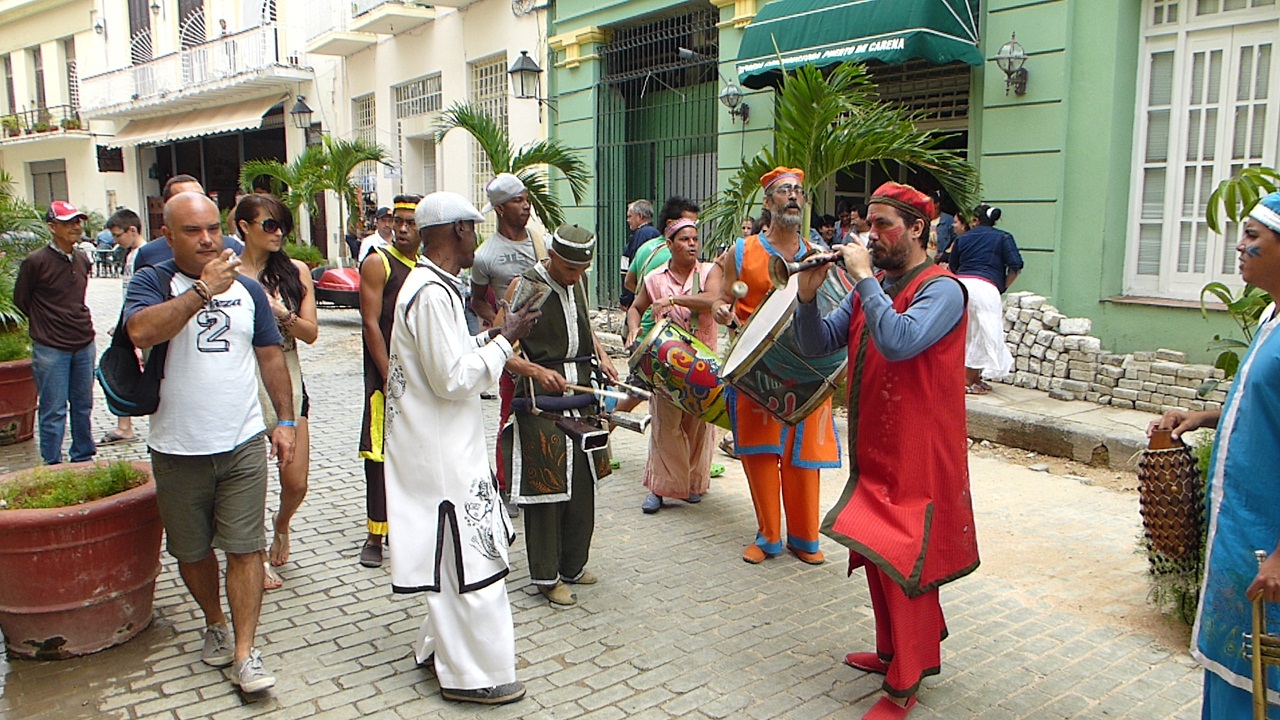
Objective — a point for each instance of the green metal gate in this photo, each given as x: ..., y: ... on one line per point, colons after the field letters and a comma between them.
x: 655, y: 125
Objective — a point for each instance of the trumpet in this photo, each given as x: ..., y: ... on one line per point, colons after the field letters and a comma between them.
x: 780, y: 271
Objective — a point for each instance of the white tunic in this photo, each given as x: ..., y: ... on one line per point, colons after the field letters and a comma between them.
x: 437, y: 465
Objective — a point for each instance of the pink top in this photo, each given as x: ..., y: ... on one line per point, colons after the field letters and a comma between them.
x: 662, y: 283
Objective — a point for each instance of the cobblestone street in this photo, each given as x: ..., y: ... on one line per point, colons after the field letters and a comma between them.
x: 1055, y: 623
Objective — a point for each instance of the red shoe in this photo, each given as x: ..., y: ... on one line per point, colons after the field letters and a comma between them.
x: 866, y: 662
x: 886, y: 709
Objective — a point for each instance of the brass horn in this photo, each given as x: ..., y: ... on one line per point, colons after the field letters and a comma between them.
x: 780, y: 271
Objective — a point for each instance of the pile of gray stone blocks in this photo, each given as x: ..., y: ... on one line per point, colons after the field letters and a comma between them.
x: 1056, y: 354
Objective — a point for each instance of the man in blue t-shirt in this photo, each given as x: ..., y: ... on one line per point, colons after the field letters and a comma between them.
x: 206, y: 440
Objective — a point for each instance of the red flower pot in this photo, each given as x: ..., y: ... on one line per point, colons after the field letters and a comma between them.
x: 79, y: 579
x: 17, y: 402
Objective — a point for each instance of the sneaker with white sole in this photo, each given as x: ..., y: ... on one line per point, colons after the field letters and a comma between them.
x: 500, y: 695
x: 218, y: 650
x: 251, y: 675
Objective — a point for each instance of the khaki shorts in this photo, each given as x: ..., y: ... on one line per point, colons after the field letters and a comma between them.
x: 209, y: 501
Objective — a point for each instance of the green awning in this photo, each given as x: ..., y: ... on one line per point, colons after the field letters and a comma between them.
x: 829, y: 32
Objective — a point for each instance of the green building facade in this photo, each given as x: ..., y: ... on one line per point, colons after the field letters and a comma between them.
x: 1133, y: 111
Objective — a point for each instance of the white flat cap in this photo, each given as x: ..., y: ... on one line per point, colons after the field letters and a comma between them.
x: 442, y: 208
x: 502, y: 188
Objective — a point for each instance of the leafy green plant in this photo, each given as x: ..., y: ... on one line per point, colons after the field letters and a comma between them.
x: 318, y: 168
x: 71, y: 123
x: 825, y: 123
x: 11, y: 124
x: 1234, y: 198
x: 14, y: 346
x: 44, y: 488
x: 21, y: 231
x: 41, y: 126
x: 525, y: 163
x: 308, y: 254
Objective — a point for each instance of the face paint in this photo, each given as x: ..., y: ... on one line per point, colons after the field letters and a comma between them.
x: 1253, y: 251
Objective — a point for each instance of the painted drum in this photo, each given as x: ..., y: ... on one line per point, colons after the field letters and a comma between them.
x: 766, y: 365
x: 679, y: 367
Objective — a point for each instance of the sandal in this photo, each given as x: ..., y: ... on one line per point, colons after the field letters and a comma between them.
x: 279, y: 552
x: 270, y: 580
x: 716, y: 470
x: 976, y: 389
x: 113, y: 437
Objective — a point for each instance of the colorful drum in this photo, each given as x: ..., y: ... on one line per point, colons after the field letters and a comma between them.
x: 766, y: 365
x: 680, y: 368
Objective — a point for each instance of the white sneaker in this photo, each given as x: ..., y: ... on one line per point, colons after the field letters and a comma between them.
x: 251, y: 675
x: 218, y: 650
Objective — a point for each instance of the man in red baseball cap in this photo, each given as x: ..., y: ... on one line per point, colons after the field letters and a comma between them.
x: 905, y: 515
x: 50, y: 290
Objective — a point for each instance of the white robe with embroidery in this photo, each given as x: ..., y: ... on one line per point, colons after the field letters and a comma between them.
x: 437, y: 466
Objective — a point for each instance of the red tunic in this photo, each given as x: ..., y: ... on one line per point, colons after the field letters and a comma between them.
x: 907, y: 506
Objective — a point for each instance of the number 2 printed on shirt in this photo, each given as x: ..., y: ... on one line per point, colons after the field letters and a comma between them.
x: 214, y: 324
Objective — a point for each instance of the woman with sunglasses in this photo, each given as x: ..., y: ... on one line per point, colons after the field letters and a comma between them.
x: 262, y: 223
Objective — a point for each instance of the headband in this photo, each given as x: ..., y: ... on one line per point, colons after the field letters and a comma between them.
x: 677, y: 225
x: 1267, y: 212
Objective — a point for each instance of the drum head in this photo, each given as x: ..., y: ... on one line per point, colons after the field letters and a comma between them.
x: 763, y: 325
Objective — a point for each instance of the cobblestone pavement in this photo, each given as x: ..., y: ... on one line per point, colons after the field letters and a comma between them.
x: 1053, y: 625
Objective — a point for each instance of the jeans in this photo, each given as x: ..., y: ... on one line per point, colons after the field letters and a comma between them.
x: 64, y: 378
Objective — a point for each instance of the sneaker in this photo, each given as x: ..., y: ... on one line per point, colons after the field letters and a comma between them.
x: 499, y: 695
x: 218, y: 650
x: 251, y: 675
x: 693, y: 499
x: 651, y: 504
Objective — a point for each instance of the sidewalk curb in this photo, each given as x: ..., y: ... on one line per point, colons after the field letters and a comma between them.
x: 1055, y: 436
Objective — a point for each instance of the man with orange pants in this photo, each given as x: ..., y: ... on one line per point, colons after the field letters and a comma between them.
x: 778, y: 458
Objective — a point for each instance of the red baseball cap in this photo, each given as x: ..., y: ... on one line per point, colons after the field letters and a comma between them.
x: 63, y: 211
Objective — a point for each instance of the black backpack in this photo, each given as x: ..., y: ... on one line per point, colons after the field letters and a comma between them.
x: 133, y: 389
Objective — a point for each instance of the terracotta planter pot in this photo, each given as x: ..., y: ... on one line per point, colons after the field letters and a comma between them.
x: 79, y: 579
x: 17, y: 402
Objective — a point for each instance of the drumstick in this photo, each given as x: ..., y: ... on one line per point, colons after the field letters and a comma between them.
x: 598, y: 391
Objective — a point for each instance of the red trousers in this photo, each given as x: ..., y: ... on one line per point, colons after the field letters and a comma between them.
x: 506, y: 390
x: 909, y: 631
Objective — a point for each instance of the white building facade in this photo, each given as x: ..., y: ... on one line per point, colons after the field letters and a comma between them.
x: 400, y: 65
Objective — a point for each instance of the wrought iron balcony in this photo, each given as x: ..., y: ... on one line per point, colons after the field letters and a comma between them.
x: 218, y: 70
x: 36, y: 123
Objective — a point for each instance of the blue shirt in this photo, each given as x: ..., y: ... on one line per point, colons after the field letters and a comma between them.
x: 158, y: 250
x: 934, y: 311
x: 987, y: 253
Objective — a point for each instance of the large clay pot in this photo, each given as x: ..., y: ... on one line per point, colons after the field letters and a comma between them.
x: 17, y: 402
x: 79, y: 579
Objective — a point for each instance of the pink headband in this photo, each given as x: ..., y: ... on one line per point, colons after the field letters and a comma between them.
x: 677, y: 225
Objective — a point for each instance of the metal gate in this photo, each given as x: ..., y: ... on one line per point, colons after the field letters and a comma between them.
x: 655, y: 126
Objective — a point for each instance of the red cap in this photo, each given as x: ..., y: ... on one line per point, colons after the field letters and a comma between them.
x: 905, y: 198
x: 64, y: 211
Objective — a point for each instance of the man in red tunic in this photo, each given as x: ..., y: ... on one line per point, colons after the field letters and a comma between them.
x: 905, y: 514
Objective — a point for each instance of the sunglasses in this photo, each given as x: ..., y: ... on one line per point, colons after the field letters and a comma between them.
x: 270, y: 225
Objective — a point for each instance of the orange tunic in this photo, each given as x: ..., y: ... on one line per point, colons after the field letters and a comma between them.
x: 813, y: 442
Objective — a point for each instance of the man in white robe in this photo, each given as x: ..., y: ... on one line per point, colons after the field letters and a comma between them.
x: 450, y: 534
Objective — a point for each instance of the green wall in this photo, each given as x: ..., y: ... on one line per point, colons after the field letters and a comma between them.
x: 1058, y: 159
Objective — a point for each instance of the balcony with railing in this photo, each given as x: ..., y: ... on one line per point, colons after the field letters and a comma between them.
x: 345, y: 27
x: 41, y: 123
x: 233, y: 66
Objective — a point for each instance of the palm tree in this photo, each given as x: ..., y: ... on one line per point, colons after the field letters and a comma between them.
x: 826, y: 124
x: 524, y: 163
x: 318, y: 168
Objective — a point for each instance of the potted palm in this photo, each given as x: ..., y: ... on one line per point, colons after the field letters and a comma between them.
x: 20, y: 232
x: 90, y: 533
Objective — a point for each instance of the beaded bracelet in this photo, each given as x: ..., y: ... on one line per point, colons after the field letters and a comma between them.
x: 202, y: 289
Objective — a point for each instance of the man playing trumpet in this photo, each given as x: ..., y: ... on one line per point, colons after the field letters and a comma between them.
x: 777, y: 458
x: 905, y: 514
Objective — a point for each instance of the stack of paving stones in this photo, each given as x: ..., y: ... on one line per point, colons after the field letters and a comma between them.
x: 1055, y: 354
